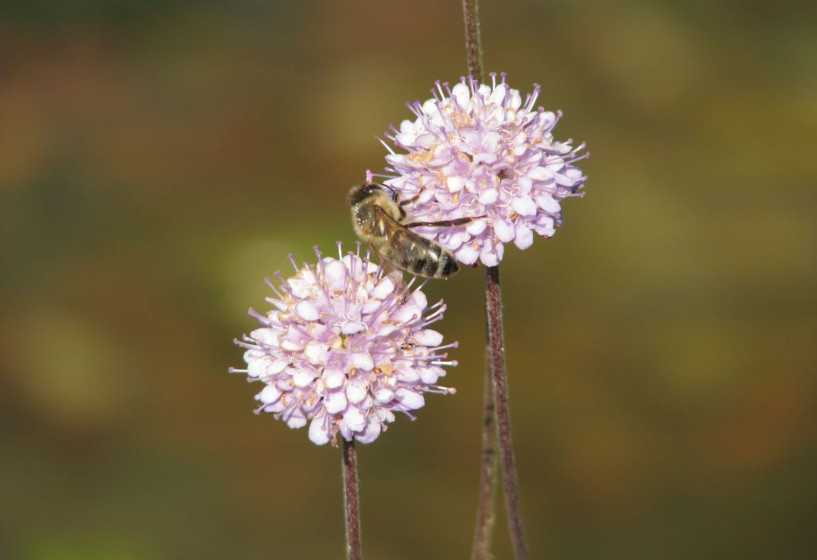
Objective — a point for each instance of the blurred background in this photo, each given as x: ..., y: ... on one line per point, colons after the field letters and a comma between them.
x: 159, y: 159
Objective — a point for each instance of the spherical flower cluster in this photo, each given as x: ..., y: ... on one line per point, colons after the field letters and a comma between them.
x: 476, y: 151
x: 344, y: 348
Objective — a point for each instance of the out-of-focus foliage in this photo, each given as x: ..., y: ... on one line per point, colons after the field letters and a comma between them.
x: 159, y: 159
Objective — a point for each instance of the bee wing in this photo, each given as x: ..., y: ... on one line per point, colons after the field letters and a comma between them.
x: 387, y: 265
x: 392, y: 231
x: 391, y: 225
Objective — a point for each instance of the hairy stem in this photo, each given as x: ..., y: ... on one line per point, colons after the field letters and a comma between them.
x: 473, y: 44
x: 486, y: 500
x: 487, y: 474
x: 496, y: 378
x: 351, y: 501
x: 496, y: 348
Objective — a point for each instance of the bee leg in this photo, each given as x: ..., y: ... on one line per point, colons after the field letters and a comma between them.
x: 444, y: 223
x: 402, y: 203
x: 388, y: 267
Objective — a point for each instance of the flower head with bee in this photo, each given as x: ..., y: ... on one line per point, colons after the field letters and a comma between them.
x: 344, y: 348
x: 477, y: 151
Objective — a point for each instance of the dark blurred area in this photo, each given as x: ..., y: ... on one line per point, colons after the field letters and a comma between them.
x: 159, y: 159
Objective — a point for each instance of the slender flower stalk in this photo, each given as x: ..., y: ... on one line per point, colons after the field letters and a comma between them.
x: 473, y: 40
x: 486, y: 514
x: 351, y: 501
x: 486, y: 499
x: 496, y: 346
x: 496, y: 376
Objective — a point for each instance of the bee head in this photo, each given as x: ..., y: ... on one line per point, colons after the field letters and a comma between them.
x: 364, y: 191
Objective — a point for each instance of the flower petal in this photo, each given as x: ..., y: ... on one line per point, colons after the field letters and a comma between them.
x: 307, y: 311
x: 269, y: 394
x: 428, y: 337
x: 318, y: 433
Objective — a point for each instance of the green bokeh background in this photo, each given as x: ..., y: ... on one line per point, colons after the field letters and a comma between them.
x: 159, y: 159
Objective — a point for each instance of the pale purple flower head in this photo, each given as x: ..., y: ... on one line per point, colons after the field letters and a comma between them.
x: 344, y: 348
x: 478, y: 150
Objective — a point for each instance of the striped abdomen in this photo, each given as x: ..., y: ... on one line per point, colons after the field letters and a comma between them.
x: 414, y: 253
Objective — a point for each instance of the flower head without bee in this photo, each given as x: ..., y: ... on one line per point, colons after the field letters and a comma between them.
x: 477, y: 151
x: 344, y: 348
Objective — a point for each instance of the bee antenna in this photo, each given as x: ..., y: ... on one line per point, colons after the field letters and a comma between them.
x: 394, y: 195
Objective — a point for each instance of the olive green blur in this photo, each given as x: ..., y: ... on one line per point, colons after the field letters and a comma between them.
x: 158, y: 160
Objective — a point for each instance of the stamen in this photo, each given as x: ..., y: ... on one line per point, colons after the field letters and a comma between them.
x: 385, y: 145
x: 439, y: 90
x: 273, y: 287
x: 440, y: 390
x: 431, y: 319
x: 451, y: 363
x: 407, y: 287
x: 319, y: 264
x: 408, y: 414
x: 264, y: 320
x: 531, y: 100
x: 578, y: 158
x: 415, y: 108
x: 246, y: 345
x: 422, y: 284
x: 276, y: 302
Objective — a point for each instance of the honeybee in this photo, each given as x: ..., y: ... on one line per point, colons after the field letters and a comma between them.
x: 377, y: 217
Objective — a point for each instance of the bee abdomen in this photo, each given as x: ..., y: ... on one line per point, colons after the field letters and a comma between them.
x: 430, y: 260
x: 448, y: 266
